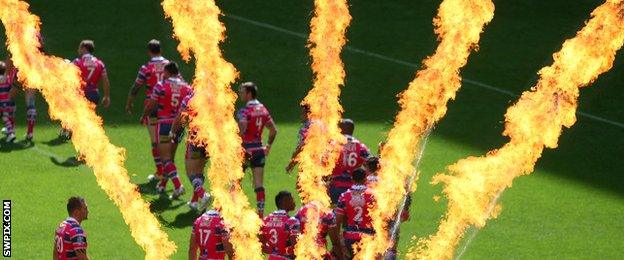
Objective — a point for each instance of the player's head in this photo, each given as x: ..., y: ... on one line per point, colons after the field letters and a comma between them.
x: 86, y: 46
x: 285, y: 201
x: 305, y: 111
x: 2, y: 67
x: 346, y: 126
x: 77, y: 208
x: 359, y: 176
x: 153, y: 47
x: 171, y: 70
x: 372, y: 165
x: 248, y: 91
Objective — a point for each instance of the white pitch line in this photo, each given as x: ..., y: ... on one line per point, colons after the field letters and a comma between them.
x: 475, y: 229
x: 408, y: 64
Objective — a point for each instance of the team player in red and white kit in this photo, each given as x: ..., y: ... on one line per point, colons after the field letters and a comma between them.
x: 149, y: 75
x: 251, y: 122
x: 210, y: 237
x: 352, y: 211
x: 353, y: 154
x: 29, y: 98
x: 70, y: 240
x: 7, y: 105
x: 279, y: 232
x: 166, y: 99
x: 92, y: 71
x: 327, y: 227
x: 195, y: 157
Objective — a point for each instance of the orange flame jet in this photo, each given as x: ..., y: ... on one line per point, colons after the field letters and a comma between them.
x: 196, y: 24
x: 53, y: 76
x: 459, y: 24
x: 319, y: 154
x: 533, y: 123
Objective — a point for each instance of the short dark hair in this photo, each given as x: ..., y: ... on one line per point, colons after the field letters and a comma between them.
x: 74, y: 203
x: 359, y: 175
x: 2, y: 67
x: 250, y: 87
x: 153, y: 46
x: 347, y: 126
x: 172, y: 68
x: 88, y: 44
x: 372, y: 163
x: 280, y: 196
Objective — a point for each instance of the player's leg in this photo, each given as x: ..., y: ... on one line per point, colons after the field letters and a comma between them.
x: 7, y: 110
x: 169, y: 168
x: 257, y: 162
x: 195, y: 161
x: 31, y: 113
x: 153, y: 134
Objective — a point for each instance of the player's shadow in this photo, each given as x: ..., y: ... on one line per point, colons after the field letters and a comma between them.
x: 69, y: 162
x: 7, y: 147
x: 163, y: 203
x: 56, y: 141
x: 182, y: 220
x: 148, y: 187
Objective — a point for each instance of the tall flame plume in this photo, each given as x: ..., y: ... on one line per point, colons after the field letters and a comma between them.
x: 533, y: 123
x: 196, y: 24
x: 320, y: 151
x: 459, y: 24
x: 53, y: 76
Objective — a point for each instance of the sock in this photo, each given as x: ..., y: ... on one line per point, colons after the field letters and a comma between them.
x: 157, y: 160
x: 260, y: 200
x: 9, y: 122
x: 198, y: 186
x: 172, y: 173
x: 31, y: 117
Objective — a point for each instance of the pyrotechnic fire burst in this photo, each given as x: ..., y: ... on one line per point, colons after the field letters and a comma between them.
x: 196, y: 24
x: 459, y: 24
x: 319, y: 154
x: 533, y: 123
x: 53, y: 76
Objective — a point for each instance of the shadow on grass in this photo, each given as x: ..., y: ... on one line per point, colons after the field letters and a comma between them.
x: 163, y: 203
x: 182, y: 220
x: 69, y: 162
x: 56, y: 141
x: 7, y: 147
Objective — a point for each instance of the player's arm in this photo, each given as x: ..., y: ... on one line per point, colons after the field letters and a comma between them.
x: 134, y: 90
x: 79, y: 242
x: 272, y: 134
x: 54, y: 254
x: 150, y: 106
x: 192, y: 251
x: 242, y: 126
x: 176, y: 126
x: 229, y: 249
x: 106, y: 87
x: 293, y: 158
x: 82, y: 254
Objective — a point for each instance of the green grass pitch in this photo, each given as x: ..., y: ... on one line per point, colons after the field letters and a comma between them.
x: 571, y: 207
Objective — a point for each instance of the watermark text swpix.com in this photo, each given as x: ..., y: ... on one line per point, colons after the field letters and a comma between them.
x: 6, y: 228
